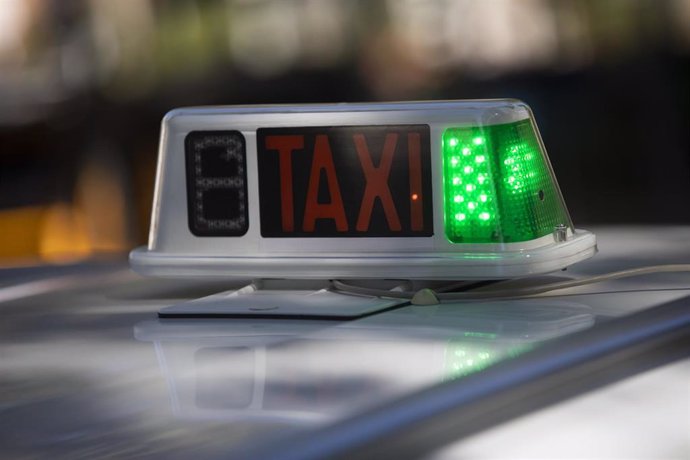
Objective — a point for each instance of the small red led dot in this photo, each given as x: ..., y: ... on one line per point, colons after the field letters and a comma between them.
x: 414, y: 197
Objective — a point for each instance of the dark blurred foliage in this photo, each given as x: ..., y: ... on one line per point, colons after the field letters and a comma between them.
x: 85, y: 83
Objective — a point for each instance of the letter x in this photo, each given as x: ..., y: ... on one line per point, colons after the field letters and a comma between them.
x: 377, y: 183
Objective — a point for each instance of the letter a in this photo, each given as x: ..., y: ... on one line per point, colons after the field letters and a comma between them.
x: 323, y: 160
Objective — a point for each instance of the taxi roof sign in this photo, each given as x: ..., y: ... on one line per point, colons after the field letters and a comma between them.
x: 418, y: 190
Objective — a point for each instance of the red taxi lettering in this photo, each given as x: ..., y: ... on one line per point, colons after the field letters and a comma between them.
x: 285, y: 146
x: 323, y: 161
x: 377, y: 183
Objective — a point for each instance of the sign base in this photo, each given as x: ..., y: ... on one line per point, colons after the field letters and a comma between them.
x: 283, y: 299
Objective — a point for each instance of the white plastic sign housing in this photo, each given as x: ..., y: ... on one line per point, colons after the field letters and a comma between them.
x: 419, y: 190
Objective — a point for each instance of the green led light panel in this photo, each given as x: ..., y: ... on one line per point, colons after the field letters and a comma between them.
x: 498, y: 185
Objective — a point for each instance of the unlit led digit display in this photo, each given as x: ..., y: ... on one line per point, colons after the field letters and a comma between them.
x: 217, y: 183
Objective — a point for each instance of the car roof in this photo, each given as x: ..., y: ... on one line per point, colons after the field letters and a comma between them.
x: 89, y: 369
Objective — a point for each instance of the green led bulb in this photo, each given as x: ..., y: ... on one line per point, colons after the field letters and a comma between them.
x: 498, y: 186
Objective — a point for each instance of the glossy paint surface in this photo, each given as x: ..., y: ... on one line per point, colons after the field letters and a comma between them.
x: 87, y: 369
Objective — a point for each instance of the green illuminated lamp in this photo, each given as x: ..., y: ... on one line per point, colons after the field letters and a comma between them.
x: 498, y: 185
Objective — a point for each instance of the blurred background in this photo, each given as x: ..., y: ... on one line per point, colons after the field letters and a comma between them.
x: 84, y: 85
